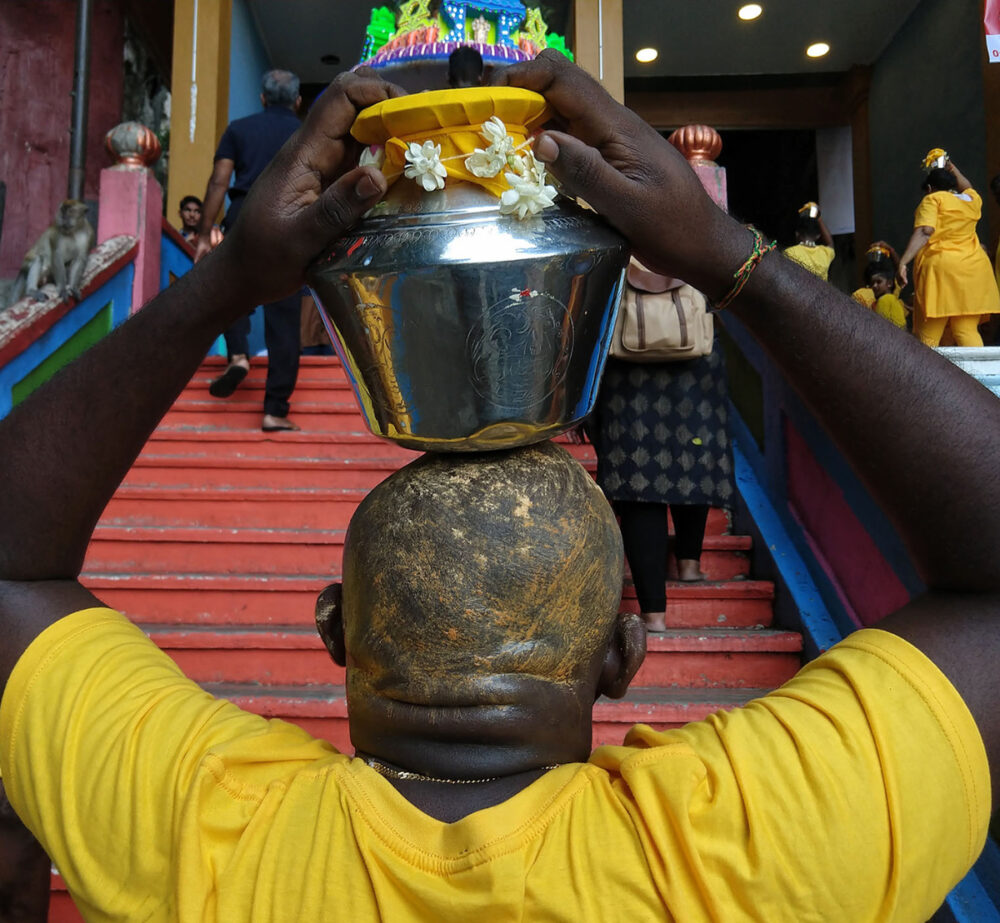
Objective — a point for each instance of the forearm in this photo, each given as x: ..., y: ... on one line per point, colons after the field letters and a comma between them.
x: 215, y: 196
x: 918, y: 238
x: 825, y: 234
x: 869, y: 384
x: 64, y: 451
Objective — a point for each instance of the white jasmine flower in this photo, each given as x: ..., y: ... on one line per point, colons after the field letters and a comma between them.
x: 528, y: 193
x: 372, y: 156
x: 493, y: 159
x: 425, y: 165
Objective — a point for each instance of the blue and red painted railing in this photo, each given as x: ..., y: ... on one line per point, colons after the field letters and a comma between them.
x: 836, y: 561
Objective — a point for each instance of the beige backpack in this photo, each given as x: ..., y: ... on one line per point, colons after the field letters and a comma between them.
x: 661, y: 319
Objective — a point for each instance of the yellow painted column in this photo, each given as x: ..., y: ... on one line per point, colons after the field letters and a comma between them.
x: 597, y: 42
x: 199, y: 95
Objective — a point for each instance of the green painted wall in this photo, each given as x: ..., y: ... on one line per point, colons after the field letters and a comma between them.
x: 96, y: 328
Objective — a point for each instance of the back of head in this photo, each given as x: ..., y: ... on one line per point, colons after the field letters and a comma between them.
x: 459, y: 568
x: 995, y: 186
x: 280, y: 88
x: 465, y: 67
x: 807, y: 228
x: 940, y: 180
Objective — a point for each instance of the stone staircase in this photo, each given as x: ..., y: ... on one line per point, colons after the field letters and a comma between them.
x: 221, y: 536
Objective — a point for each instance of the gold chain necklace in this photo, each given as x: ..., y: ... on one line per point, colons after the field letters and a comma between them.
x: 391, y: 773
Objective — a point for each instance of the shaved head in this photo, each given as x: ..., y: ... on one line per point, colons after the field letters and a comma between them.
x: 459, y: 568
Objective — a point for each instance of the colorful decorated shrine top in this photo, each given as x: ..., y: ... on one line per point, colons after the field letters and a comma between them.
x: 502, y: 31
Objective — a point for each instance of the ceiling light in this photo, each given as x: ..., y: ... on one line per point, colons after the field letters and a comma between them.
x: 750, y: 11
x: 818, y: 49
x: 645, y: 55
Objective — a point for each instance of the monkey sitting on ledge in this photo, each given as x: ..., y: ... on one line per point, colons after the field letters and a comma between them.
x: 58, y: 256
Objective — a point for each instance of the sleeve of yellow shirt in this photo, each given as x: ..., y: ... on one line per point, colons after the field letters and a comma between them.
x: 926, y: 214
x: 101, y: 740
x: 857, y: 791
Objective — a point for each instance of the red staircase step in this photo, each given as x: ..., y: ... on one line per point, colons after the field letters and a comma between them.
x: 729, y: 657
x: 277, y: 599
x: 234, y: 509
x: 213, y: 550
x: 196, y: 541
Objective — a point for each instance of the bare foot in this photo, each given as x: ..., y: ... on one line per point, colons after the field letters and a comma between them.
x: 655, y: 621
x: 273, y: 424
x: 689, y: 570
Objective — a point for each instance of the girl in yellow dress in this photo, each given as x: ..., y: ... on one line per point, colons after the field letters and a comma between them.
x: 953, y: 281
x: 879, y: 256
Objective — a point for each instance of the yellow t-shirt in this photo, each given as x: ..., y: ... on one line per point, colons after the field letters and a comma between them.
x: 816, y: 259
x: 859, y: 791
x: 891, y: 308
x: 952, y: 275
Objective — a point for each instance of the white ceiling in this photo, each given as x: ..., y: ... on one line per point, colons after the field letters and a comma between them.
x: 694, y: 37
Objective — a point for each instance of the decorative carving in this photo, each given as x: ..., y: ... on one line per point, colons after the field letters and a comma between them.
x: 132, y: 145
x: 698, y: 143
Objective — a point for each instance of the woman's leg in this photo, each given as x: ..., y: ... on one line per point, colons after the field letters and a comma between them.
x: 965, y: 329
x: 644, y: 535
x: 929, y: 330
x: 689, y: 535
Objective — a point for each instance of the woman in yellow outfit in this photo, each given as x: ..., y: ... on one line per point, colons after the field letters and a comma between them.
x: 953, y: 279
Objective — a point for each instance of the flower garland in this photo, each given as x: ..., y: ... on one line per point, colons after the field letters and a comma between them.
x: 527, y: 193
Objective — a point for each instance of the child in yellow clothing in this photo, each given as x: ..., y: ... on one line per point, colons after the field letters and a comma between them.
x: 886, y: 303
x: 807, y: 251
x: 879, y: 256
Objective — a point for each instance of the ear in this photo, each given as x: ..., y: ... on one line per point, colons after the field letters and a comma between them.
x: 330, y: 622
x: 625, y: 654
x: 263, y: 101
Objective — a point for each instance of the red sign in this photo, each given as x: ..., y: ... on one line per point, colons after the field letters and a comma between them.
x: 991, y: 20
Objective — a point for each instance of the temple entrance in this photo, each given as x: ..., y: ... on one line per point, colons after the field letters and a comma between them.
x: 771, y: 172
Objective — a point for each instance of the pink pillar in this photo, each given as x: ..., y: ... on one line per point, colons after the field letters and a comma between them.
x: 713, y: 178
x: 131, y: 202
x: 700, y: 145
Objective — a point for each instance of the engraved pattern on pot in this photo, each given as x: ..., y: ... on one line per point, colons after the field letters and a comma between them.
x: 506, y: 345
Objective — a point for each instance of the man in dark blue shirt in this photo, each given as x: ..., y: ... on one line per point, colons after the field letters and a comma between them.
x: 246, y: 148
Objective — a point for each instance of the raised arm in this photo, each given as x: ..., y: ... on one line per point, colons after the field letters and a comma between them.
x: 64, y: 451
x: 824, y: 232
x: 963, y: 183
x: 215, y: 195
x: 899, y: 412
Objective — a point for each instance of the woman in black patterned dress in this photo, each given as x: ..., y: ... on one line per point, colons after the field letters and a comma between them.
x: 660, y: 432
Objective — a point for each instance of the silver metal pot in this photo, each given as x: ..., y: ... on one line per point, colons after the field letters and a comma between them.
x: 463, y: 330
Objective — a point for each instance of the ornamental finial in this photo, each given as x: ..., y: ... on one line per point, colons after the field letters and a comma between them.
x: 132, y: 145
x: 698, y: 143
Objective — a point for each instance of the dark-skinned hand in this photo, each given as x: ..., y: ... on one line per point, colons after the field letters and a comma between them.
x: 308, y: 195
x: 628, y: 173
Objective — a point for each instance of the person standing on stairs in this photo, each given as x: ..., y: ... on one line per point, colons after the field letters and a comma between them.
x: 660, y: 433
x: 248, y: 145
x: 859, y: 791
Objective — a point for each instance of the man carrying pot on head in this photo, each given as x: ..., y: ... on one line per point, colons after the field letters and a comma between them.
x: 473, y: 663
